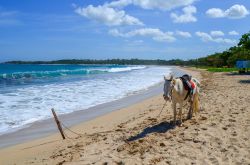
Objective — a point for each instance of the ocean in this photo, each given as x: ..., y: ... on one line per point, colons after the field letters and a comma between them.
x: 28, y: 92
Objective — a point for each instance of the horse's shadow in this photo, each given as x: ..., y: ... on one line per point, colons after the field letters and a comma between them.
x: 159, y: 128
x: 240, y: 74
x: 237, y: 74
x: 244, y: 81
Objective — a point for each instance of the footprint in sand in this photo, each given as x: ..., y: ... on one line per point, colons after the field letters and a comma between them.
x: 224, y: 128
x: 120, y: 126
x: 214, y: 160
x: 223, y: 150
x: 162, y: 144
x: 118, y: 130
x: 234, y: 133
x: 152, y: 119
x: 231, y: 120
x: 213, y: 124
x: 203, y: 118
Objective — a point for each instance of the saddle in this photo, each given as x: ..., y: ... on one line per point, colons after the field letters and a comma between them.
x: 189, y: 85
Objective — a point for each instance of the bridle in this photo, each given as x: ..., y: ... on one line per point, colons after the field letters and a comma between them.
x: 170, y: 90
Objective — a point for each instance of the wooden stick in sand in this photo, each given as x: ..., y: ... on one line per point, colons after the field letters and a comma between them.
x: 58, y: 123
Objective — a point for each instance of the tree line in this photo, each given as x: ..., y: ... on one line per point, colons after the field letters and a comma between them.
x: 229, y: 57
x: 108, y: 61
x: 226, y: 58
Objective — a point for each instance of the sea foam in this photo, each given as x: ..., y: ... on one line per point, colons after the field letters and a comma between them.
x: 21, y: 105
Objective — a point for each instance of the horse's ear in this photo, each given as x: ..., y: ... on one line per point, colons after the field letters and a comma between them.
x: 174, y: 81
x: 169, y: 77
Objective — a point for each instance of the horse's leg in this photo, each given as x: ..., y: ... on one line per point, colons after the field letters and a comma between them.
x: 174, y: 110
x: 180, y: 113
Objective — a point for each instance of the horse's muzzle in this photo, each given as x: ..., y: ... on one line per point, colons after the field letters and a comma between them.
x: 166, y: 97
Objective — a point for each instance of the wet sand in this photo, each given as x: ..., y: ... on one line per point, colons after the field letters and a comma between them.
x: 137, y: 134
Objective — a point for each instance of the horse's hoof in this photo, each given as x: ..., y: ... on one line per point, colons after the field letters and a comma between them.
x: 189, y: 117
x: 173, y: 124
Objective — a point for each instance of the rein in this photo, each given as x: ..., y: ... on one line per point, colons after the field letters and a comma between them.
x: 171, y: 91
x: 170, y: 94
x: 162, y: 109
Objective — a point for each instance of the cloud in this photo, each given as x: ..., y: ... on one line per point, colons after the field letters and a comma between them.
x: 183, y: 34
x: 138, y: 41
x: 215, y: 13
x: 107, y: 15
x: 116, y: 33
x: 119, y: 3
x: 155, y: 34
x: 234, y: 12
x: 152, y: 4
x: 216, y: 33
x: 186, y: 17
x: 111, y: 14
x: 205, y: 37
x: 233, y: 33
x: 134, y: 42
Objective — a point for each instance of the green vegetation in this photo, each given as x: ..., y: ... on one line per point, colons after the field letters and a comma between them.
x: 222, y: 69
x: 108, y: 61
x: 225, y: 61
x: 217, y: 62
x: 229, y: 57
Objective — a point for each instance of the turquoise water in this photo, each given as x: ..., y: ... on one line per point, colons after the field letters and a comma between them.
x: 28, y: 92
x: 27, y: 73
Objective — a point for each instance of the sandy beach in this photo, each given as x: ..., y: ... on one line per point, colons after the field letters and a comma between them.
x: 139, y: 134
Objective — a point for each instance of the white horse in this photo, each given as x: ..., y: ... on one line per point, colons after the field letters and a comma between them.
x: 174, y: 91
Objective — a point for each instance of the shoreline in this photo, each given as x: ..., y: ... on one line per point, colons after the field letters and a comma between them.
x: 47, y: 127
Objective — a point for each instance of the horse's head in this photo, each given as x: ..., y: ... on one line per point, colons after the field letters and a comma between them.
x: 167, y: 87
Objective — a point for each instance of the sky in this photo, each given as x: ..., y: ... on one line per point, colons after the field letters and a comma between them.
x: 106, y: 29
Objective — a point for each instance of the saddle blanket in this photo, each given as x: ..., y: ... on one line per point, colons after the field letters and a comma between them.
x: 192, y: 85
